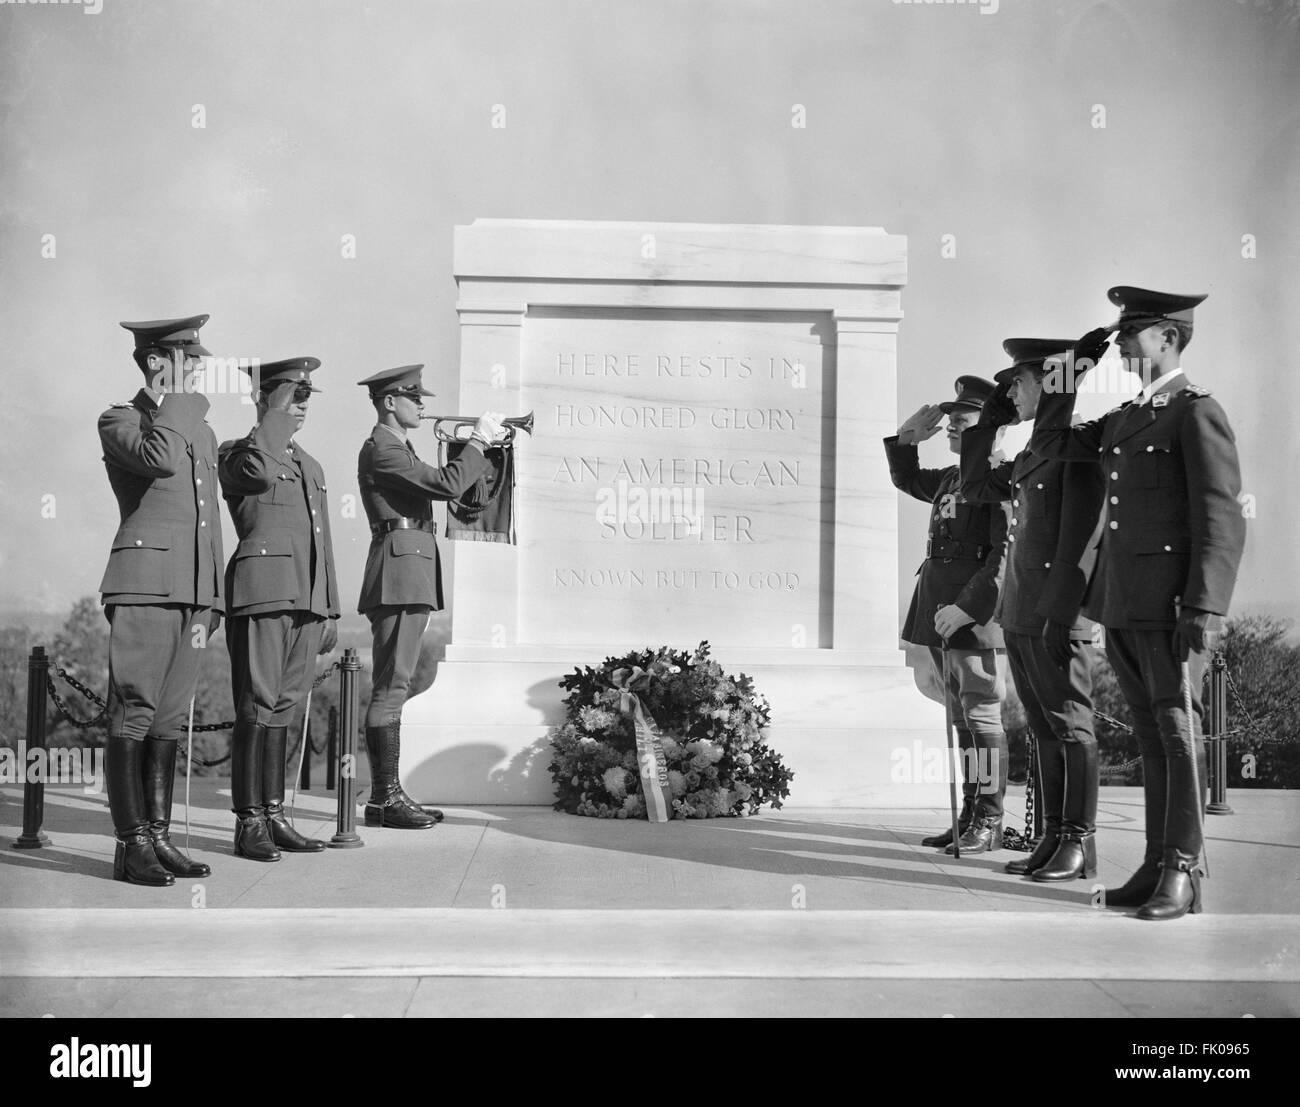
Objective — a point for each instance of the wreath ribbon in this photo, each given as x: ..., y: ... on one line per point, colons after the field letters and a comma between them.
x: 651, y: 761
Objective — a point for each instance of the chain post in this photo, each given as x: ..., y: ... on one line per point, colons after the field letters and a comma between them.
x: 1216, y: 743
x: 38, y: 669
x: 347, y: 836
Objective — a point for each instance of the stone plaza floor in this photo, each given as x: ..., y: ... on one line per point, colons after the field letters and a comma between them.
x: 524, y: 911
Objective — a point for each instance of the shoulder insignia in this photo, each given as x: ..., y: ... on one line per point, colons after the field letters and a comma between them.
x: 118, y: 407
x: 1196, y: 390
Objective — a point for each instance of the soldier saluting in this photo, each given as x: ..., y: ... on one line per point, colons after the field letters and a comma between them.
x: 403, y: 579
x: 283, y: 600
x: 1055, y: 505
x: 952, y: 608
x: 162, y: 590
x: 1170, y: 546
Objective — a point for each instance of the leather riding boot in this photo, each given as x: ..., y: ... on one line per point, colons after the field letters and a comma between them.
x: 386, y: 807
x: 282, y: 834
x: 965, y: 743
x: 134, y: 860
x: 1076, y: 856
x: 252, y: 836
x: 1051, y: 797
x: 1178, y: 892
x: 984, y: 833
x: 1138, y: 888
x: 437, y: 815
x: 158, y: 762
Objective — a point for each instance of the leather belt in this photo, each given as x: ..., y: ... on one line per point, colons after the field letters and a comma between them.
x: 950, y: 548
x: 378, y: 530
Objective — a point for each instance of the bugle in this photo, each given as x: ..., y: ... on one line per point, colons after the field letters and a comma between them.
x: 466, y: 423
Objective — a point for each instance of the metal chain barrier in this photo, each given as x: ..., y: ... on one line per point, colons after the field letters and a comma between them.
x: 84, y: 724
x: 64, y: 709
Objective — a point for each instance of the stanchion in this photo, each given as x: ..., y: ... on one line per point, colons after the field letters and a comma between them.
x: 38, y: 665
x: 332, y: 749
x: 347, y: 836
x: 1216, y: 745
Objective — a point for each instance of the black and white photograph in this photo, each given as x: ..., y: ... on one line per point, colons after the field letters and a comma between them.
x: 651, y: 509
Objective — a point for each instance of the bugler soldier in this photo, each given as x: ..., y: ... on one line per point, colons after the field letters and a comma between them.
x: 283, y: 600
x: 1054, y: 510
x: 403, y: 579
x: 162, y: 590
x: 1172, y: 539
x: 952, y: 609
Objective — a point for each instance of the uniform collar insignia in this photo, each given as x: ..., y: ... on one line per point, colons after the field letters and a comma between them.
x: 1160, y: 399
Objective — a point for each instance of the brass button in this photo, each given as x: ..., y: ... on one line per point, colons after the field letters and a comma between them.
x: 138, y: 542
x: 1169, y: 549
x: 1114, y: 449
x: 1047, y: 564
x: 1114, y: 475
x: 1114, y: 499
x: 1040, y: 486
x: 1114, y: 525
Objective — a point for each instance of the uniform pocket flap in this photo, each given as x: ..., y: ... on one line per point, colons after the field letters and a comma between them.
x: 271, y: 545
x: 413, y: 542
x: 143, y: 539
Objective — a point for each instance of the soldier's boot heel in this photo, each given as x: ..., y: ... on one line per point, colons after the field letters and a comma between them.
x: 944, y: 838
x: 281, y: 831
x: 1042, y: 854
x: 983, y: 836
x: 253, y: 838
x: 398, y: 816
x: 1075, y: 859
x: 1178, y: 892
x: 134, y: 862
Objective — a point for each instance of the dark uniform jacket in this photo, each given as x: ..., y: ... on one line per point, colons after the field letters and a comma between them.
x: 402, y: 566
x: 1173, y: 529
x: 277, y: 497
x: 1051, y: 544
x: 964, y: 554
x: 162, y: 465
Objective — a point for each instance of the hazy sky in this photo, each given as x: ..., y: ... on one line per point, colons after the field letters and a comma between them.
x: 326, y: 118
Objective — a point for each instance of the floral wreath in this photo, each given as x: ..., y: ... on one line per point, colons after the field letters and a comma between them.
x: 710, y: 729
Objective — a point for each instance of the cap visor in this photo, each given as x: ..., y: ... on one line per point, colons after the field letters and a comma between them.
x: 425, y: 392
x: 1005, y: 376
x: 195, y: 350
x: 952, y: 405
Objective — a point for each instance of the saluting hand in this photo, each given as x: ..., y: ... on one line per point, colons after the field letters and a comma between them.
x: 330, y: 638
x: 998, y: 410
x: 924, y: 424
x: 1090, y: 349
x: 1194, y: 632
x: 950, y: 619
x: 281, y: 397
